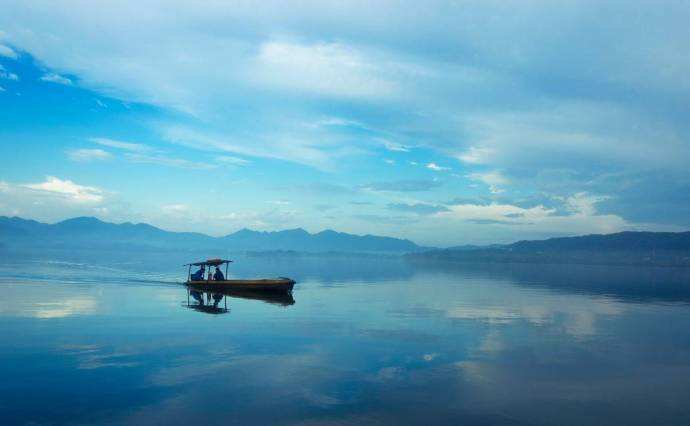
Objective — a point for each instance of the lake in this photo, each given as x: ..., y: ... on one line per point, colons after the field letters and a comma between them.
x: 110, y: 339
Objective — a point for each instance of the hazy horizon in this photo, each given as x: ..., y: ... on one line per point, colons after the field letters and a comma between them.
x: 445, y: 123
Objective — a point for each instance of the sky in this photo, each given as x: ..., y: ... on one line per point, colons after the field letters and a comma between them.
x: 448, y: 123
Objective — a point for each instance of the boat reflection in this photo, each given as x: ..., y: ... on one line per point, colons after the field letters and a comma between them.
x: 209, y: 303
x: 215, y: 302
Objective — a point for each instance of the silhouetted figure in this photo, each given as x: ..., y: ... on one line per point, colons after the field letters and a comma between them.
x: 199, y: 275
x: 218, y: 276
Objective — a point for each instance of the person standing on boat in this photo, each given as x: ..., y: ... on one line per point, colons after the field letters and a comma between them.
x: 218, y: 276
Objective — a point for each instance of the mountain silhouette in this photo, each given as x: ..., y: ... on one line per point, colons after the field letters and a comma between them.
x: 90, y: 232
x: 623, y: 248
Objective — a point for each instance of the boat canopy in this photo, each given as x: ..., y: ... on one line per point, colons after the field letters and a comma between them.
x: 209, y: 262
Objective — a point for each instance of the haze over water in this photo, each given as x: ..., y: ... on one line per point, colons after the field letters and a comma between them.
x: 110, y: 339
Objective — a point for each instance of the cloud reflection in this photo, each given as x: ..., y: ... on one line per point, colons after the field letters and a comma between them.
x: 56, y: 308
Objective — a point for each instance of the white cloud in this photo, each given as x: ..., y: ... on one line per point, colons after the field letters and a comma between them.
x: 56, y: 78
x: 68, y: 190
x: 144, y: 154
x: 476, y: 155
x: 233, y: 161
x: 4, y: 74
x: 504, y: 213
x: 7, y: 52
x: 84, y: 155
x: 394, y: 146
x: 494, y: 180
x: 574, y: 134
x: 164, y: 160
x: 488, y: 90
x: 331, y: 69
x: 435, y: 167
x: 583, y: 217
x: 309, y: 149
x: 584, y: 204
x: 2, y: 89
x: 127, y: 146
x: 175, y: 208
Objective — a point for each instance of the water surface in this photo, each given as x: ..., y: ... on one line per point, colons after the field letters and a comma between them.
x: 110, y: 339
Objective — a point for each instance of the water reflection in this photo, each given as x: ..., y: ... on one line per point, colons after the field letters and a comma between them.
x: 216, y: 302
x: 473, y: 345
x: 207, y: 302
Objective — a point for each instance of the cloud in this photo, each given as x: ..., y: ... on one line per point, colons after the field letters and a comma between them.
x: 417, y: 208
x: 175, y: 209
x: 581, y: 217
x: 330, y: 69
x: 68, y: 190
x: 385, y: 219
x: 394, y: 146
x: 476, y: 155
x: 55, y: 199
x: 84, y: 155
x: 233, y: 161
x: 325, y: 189
x: 498, y: 222
x: 56, y: 78
x: 127, y: 146
x: 435, y: 167
x: 4, y: 74
x: 403, y: 186
x: 324, y: 207
x: 308, y: 148
x: 494, y: 180
x: 2, y: 89
x: 164, y: 160
x: 144, y: 154
x: 486, y: 83
x: 7, y: 52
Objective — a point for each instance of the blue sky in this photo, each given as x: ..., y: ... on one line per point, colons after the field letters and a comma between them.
x: 444, y: 122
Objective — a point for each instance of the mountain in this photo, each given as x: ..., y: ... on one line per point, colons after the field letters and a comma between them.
x: 623, y: 248
x: 622, y: 241
x: 92, y: 233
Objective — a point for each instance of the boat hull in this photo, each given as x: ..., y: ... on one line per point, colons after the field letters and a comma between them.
x: 272, y: 285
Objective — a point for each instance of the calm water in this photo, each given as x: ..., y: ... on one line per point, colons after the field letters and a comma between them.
x: 367, y: 341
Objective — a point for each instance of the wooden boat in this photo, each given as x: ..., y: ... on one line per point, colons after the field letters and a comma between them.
x: 266, y: 285
x: 279, y: 285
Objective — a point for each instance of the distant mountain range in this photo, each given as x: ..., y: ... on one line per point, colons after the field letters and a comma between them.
x: 624, y: 248
x: 92, y: 233
x: 651, y: 248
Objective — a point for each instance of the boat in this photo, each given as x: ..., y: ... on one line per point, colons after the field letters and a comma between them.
x: 280, y: 285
